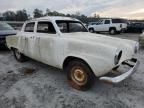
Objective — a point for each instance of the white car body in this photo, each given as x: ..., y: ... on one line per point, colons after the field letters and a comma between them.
x: 104, y: 26
x: 98, y: 51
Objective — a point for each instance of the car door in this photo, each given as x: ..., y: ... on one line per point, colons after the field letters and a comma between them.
x: 99, y: 26
x: 106, y: 25
x: 31, y: 48
x: 47, y: 42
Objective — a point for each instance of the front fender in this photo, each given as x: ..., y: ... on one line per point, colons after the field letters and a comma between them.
x: 99, y: 65
x: 98, y: 56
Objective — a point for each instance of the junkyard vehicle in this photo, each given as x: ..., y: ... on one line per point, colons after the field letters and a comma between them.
x: 65, y: 43
x: 5, y: 30
x: 135, y: 28
x: 112, y: 25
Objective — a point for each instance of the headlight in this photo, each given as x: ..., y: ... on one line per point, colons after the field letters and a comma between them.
x: 136, y: 48
x: 117, y: 57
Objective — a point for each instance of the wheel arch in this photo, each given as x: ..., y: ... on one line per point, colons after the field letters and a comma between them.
x: 91, y: 28
x: 68, y: 59
x: 112, y: 28
x: 12, y: 48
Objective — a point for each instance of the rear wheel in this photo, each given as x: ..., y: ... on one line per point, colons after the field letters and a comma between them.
x: 19, y: 56
x: 79, y: 75
x: 112, y: 31
x: 91, y: 30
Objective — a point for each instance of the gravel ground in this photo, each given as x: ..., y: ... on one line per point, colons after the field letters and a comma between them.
x: 36, y: 85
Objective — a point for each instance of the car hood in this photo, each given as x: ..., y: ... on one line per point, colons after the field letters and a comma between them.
x: 4, y: 33
x: 102, y: 39
x: 127, y: 46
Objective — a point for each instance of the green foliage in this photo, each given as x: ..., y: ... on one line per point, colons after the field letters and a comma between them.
x: 53, y: 13
x: 37, y: 13
x: 20, y: 15
x: 9, y: 16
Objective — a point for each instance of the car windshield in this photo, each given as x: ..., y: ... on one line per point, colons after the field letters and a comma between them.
x: 5, y: 26
x: 70, y: 26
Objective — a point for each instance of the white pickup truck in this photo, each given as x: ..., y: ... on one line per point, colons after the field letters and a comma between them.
x: 65, y: 43
x: 112, y: 26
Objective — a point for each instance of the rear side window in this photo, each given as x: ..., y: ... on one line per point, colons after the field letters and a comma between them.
x: 29, y: 27
x: 107, y: 21
x: 119, y: 21
x: 46, y: 27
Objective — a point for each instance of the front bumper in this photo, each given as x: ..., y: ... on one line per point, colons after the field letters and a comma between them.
x: 119, y: 78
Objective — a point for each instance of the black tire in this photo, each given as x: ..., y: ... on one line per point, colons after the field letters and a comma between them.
x: 79, y: 75
x: 112, y: 31
x: 91, y: 30
x: 19, y: 56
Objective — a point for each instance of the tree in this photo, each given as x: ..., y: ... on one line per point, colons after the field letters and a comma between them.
x: 77, y: 13
x: 9, y: 16
x: 37, y: 13
x: 68, y: 15
x: 21, y: 15
x: 53, y: 13
x: 96, y: 16
x: 47, y: 12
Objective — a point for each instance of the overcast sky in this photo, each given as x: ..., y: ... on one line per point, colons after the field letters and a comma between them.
x: 108, y: 8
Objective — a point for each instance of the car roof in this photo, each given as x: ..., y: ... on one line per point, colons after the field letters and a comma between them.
x: 54, y: 18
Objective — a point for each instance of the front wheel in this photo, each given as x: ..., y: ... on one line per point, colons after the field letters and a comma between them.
x: 79, y: 75
x: 19, y: 56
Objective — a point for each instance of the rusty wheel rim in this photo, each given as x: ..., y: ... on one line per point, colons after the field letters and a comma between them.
x: 79, y: 76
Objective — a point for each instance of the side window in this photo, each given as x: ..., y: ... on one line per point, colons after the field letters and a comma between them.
x: 63, y: 27
x: 118, y: 21
x: 46, y: 27
x: 100, y: 22
x: 107, y: 21
x: 29, y: 27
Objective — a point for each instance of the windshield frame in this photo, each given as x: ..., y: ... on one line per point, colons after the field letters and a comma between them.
x: 68, y: 25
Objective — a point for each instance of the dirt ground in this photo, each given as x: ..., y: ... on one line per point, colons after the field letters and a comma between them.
x: 36, y: 85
